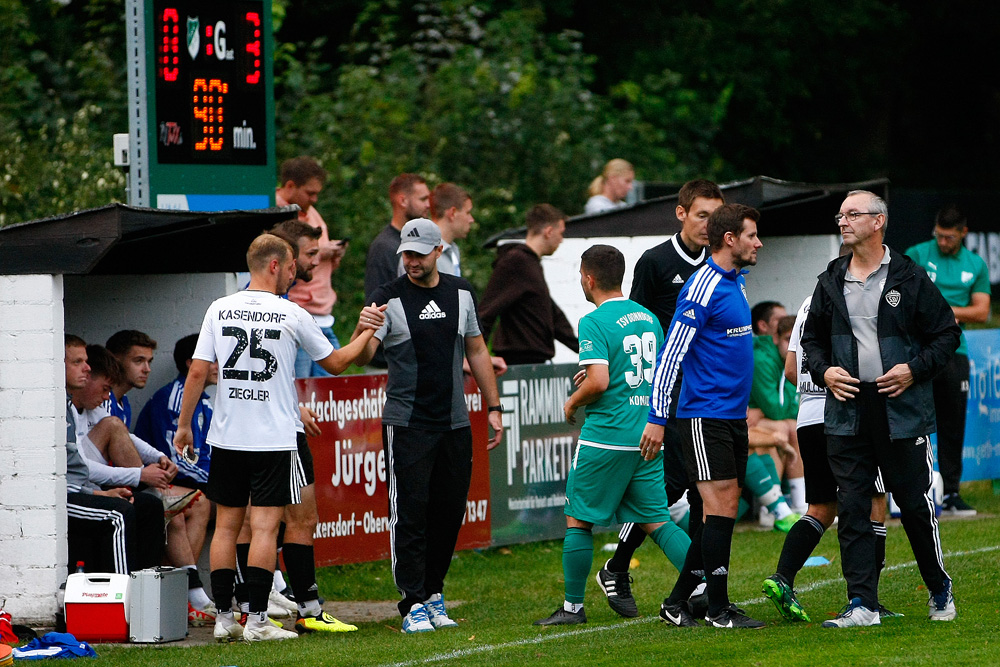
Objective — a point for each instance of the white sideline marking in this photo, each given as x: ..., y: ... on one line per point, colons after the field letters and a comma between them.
x: 489, y: 648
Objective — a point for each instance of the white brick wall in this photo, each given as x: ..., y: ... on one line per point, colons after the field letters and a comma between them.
x: 32, y: 447
x: 167, y: 307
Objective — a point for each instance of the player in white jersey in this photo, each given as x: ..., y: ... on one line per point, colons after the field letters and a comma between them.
x: 255, y: 335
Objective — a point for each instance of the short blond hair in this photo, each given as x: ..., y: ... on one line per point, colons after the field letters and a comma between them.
x: 265, y: 248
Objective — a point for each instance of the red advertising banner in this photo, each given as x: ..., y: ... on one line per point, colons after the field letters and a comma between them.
x: 351, y: 492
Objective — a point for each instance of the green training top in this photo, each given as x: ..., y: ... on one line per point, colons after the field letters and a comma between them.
x: 957, y: 276
x: 625, y: 337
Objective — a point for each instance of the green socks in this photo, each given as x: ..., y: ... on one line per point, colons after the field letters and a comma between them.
x: 674, y: 543
x: 578, y: 555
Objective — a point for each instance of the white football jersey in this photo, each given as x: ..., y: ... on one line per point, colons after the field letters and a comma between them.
x: 812, y: 398
x: 254, y: 335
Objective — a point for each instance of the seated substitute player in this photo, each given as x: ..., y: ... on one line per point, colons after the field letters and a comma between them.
x: 611, y: 479
x: 156, y: 425
x: 134, y: 349
x: 709, y: 337
x: 254, y: 457
x: 116, y: 457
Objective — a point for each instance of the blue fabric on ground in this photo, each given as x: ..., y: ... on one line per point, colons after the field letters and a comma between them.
x: 54, y: 645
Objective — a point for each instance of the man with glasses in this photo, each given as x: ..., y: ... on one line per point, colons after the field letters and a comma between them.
x: 964, y: 280
x: 878, y: 331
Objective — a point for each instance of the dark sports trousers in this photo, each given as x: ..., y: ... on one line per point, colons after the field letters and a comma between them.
x: 428, y: 474
x: 112, y: 534
x: 907, y: 467
x: 951, y: 395
x: 821, y: 487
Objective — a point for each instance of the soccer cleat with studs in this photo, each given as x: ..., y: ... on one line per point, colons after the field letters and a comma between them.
x: 783, y: 596
x: 677, y: 614
x: 562, y: 617
x: 733, y: 617
x: 617, y: 586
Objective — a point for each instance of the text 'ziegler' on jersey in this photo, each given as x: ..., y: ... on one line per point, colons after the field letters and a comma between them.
x: 636, y: 316
x: 248, y: 394
x: 251, y: 316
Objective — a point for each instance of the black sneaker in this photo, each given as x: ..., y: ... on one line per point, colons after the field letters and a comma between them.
x: 733, y: 617
x: 562, y: 617
x: 618, y: 587
x: 677, y: 614
x: 953, y: 505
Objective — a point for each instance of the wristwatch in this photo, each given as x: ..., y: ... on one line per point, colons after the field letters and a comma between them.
x: 494, y: 408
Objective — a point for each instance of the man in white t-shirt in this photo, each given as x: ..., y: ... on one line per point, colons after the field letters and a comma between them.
x: 255, y: 335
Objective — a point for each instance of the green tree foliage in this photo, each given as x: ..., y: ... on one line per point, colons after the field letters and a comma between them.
x: 62, y: 96
x: 456, y: 91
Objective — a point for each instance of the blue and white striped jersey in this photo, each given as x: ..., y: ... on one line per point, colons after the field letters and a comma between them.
x: 157, y: 425
x: 711, y: 336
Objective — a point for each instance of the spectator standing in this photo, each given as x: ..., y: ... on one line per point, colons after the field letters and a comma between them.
x: 877, y: 333
x: 530, y: 321
x: 964, y: 280
x: 451, y: 210
x: 430, y: 324
x: 609, y: 190
x: 410, y: 198
x: 302, y: 180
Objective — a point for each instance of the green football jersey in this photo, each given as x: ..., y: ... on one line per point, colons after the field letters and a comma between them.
x: 626, y: 337
x: 958, y: 276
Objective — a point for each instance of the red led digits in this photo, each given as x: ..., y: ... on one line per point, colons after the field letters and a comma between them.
x: 171, y: 46
x: 210, y: 109
x: 253, y: 47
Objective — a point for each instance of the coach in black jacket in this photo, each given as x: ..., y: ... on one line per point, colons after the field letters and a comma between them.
x: 878, y: 331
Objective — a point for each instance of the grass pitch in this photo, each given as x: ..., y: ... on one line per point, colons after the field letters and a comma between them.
x: 508, y: 588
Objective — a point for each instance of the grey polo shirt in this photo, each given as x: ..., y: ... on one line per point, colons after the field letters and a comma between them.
x: 862, y: 297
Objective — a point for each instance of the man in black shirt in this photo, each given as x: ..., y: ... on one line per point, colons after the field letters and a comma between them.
x: 410, y: 198
x: 431, y: 324
x: 659, y: 276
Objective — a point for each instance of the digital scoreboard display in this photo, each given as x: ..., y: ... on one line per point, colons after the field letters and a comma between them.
x: 210, y: 95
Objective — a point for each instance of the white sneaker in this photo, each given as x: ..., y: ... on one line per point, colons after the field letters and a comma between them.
x: 765, y: 519
x: 276, y: 599
x: 417, y: 620
x: 266, y: 633
x: 227, y: 628
x: 942, y: 605
x: 437, y: 613
x: 854, y: 614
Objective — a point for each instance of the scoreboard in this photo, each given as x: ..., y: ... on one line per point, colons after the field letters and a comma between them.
x: 201, y: 104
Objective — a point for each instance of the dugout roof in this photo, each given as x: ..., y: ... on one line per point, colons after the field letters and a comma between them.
x: 119, y: 239
x: 787, y: 209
